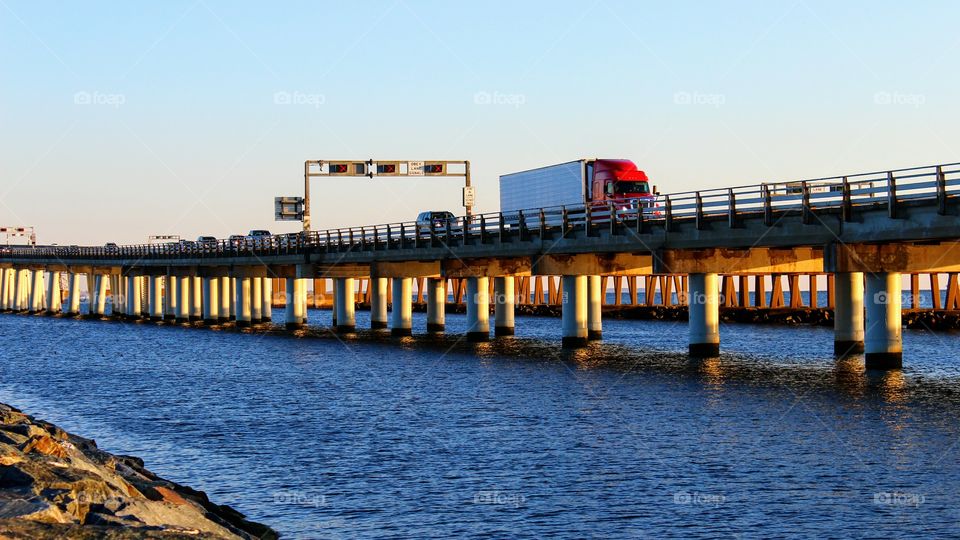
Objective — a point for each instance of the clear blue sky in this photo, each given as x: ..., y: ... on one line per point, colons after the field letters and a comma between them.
x: 124, y: 119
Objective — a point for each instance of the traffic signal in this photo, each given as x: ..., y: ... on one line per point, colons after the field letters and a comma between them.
x: 388, y: 168
x: 348, y: 168
x: 434, y: 168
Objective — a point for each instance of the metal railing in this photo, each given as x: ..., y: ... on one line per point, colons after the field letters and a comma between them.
x: 889, y: 189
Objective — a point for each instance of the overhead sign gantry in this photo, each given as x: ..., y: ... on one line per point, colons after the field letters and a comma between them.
x: 299, y: 209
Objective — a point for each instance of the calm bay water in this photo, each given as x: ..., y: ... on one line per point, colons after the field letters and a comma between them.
x: 420, y: 437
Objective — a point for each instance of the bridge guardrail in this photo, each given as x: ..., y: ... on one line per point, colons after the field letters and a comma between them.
x: 888, y: 188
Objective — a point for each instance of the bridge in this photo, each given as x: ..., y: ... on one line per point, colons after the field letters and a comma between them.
x: 865, y: 229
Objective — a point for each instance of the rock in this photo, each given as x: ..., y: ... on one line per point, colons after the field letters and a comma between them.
x: 57, y: 485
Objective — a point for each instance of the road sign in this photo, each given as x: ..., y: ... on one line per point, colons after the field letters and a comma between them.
x: 288, y: 208
x: 415, y: 168
x: 469, y: 194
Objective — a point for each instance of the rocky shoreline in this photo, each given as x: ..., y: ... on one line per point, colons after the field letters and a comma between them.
x: 54, y: 484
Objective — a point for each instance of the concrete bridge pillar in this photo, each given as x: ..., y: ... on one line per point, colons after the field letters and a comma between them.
x: 704, y: 305
x: 266, y: 300
x: 4, y: 288
x: 244, y: 297
x: 115, y: 295
x: 503, y: 306
x: 883, y: 346
x: 378, y: 303
x: 401, y: 313
x: 256, y: 300
x: 36, y: 291
x: 156, y: 298
x: 233, y: 299
x: 290, y: 309
x: 478, y: 309
x: 53, y: 294
x: 574, y: 310
x: 211, y: 300
x: 26, y: 278
x: 436, y: 305
x: 345, y: 298
x: 333, y: 302
x: 196, y: 298
x: 223, y: 311
x: 99, y: 301
x: 170, y: 298
x: 183, y: 299
x: 133, y: 297
x: 595, y: 307
x: 848, y: 313
x: 73, y: 297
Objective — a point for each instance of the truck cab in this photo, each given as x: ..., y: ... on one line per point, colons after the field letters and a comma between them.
x: 618, y: 181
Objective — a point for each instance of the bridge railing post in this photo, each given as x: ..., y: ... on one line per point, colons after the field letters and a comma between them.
x: 522, y: 223
x: 483, y: 229
x: 767, y: 205
x: 846, y: 210
x: 731, y: 208
x: 699, y: 218
x: 501, y: 227
x: 941, y: 191
x: 806, y: 213
x: 667, y: 214
x: 543, y: 222
x: 891, y: 196
x: 611, y: 209
x: 565, y: 220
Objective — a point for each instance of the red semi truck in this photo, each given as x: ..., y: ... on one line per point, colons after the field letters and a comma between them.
x: 598, y: 182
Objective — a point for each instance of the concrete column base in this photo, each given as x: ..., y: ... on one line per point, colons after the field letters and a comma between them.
x: 49, y: 313
x: 170, y: 317
x: 884, y: 360
x: 573, y: 342
x: 478, y: 337
x: 243, y: 324
x: 293, y: 326
x: 503, y: 331
x: 222, y: 320
x: 181, y: 320
x: 843, y: 348
x: 401, y: 332
x: 256, y: 321
x: 704, y: 350
x: 378, y: 325
x: 436, y: 328
x: 594, y: 335
x: 211, y: 322
x: 345, y: 328
x: 156, y: 319
x: 265, y: 319
x: 195, y: 318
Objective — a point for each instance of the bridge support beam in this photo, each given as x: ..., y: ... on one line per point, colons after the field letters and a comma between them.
x: 223, y: 312
x: 98, y: 299
x: 436, y: 305
x: 36, y: 291
x: 574, y: 311
x: 503, y: 306
x: 266, y: 300
x: 401, y: 313
x: 704, y: 305
x: 594, y: 307
x: 183, y: 299
x: 244, y: 297
x: 378, y: 303
x: 345, y: 298
x: 211, y: 300
x: 196, y: 298
x: 883, y: 345
x: 53, y: 294
x: 478, y: 309
x: 73, y: 298
x: 256, y: 300
x: 848, y: 313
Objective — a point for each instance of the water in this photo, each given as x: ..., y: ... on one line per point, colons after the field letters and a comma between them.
x: 414, y: 438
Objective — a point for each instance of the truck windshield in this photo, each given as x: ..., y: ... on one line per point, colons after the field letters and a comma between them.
x: 632, y: 187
